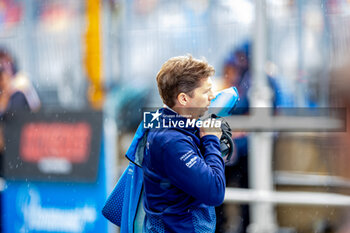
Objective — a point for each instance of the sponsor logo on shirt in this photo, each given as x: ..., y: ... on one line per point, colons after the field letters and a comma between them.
x: 192, y: 162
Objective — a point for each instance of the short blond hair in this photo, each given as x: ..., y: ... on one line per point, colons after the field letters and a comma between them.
x: 181, y: 74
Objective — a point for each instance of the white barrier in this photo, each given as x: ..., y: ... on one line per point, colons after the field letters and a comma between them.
x: 238, y: 195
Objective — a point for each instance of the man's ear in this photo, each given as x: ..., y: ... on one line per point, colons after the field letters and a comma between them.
x: 182, y: 98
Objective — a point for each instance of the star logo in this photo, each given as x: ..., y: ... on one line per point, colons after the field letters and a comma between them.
x: 155, y: 115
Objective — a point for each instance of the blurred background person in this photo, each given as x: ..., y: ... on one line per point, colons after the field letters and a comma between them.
x: 16, y: 92
x: 19, y: 80
x: 11, y: 101
x: 237, y: 72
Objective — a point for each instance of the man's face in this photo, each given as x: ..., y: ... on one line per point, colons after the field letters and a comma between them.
x: 231, y: 76
x: 7, y: 64
x: 201, y: 98
x: 5, y: 81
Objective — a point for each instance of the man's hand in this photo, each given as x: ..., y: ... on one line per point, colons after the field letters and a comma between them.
x: 210, y: 130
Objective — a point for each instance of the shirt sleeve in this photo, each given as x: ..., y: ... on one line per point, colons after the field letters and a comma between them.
x: 201, y: 177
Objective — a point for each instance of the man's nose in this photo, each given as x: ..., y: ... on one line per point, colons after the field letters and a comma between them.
x: 211, y: 96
